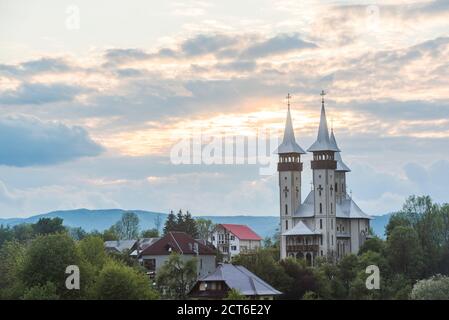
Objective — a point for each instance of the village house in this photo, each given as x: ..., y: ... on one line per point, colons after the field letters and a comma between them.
x: 227, y: 277
x: 154, y: 256
x: 233, y: 239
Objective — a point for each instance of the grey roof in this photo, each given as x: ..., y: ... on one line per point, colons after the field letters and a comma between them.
x: 119, y: 245
x: 300, y: 229
x: 346, y: 209
x: 289, y: 144
x: 323, y: 142
x: 240, y: 278
x: 341, y: 166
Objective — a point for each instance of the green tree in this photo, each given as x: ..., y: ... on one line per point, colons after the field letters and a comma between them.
x: 92, y: 251
x: 150, y: 233
x: 170, y: 223
x: 77, y: 233
x: 205, y: 228
x: 404, y: 251
x: 128, y: 226
x: 190, y: 226
x: 46, y: 260
x: 176, y: 277
x: 434, y: 288
x: 12, y: 254
x: 303, y: 278
x: 235, y: 294
x: 46, y: 291
x: 6, y: 234
x: 23, y: 232
x: 263, y: 264
x: 48, y: 225
x: 110, y: 234
x: 374, y: 244
x: 119, y: 282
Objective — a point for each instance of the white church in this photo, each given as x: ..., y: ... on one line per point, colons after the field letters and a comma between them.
x: 328, y: 223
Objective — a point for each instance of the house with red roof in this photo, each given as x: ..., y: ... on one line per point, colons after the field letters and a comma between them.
x: 233, y: 239
x: 154, y: 256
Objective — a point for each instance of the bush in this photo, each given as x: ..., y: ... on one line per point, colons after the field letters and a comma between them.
x: 44, y: 292
x: 434, y: 288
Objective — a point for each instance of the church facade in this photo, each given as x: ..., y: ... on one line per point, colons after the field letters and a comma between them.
x: 328, y: 223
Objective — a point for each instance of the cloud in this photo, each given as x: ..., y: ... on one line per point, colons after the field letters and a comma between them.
x: 27, y: 141
x: 40, y: 93
x: 31, y: 67
x: 281, y: 43
x: 125, y: 55
x: 207, y: 44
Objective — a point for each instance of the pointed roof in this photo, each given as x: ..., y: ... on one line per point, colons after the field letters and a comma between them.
x: 300, y: 229
x: 241, y: 231
x: 341, y: 166
x: 323, y: 142
x: 289, y: 144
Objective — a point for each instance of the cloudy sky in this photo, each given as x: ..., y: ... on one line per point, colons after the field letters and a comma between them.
x: 94, y: 95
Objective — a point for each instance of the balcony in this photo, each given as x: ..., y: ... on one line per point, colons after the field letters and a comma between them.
x: 302, y: 248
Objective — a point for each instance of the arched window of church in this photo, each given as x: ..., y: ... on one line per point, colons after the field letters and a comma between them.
x: 321, y: 240
x: 336, y: 187
x: 321, y: 208
x: 286, y: 224
x: 332, y: 239
x: 321, y: 223
x: 332, y: 224
x: 286, y: 209
x: 332, y: 209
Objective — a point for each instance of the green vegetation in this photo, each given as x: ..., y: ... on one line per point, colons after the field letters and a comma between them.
x: 417, y: 247
x: 181, y: 222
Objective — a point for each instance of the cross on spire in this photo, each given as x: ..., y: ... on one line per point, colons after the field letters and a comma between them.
x: 322, y: 94
x: 288, y: 100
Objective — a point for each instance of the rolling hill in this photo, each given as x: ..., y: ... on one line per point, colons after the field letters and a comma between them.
x: 102, y: 219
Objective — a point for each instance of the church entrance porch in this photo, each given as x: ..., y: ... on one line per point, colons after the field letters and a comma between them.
x: 303, y: 247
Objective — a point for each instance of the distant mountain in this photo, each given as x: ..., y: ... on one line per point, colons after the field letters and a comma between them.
x: 102, y: 219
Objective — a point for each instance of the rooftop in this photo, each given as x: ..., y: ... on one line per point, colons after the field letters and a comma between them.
x: 241, y: 231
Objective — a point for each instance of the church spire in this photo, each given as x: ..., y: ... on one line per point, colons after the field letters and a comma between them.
x: 289, y: 144
x: 341, y: 166
x: 322, y: 142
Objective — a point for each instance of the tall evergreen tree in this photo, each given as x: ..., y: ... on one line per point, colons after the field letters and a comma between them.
x: 170, y: 223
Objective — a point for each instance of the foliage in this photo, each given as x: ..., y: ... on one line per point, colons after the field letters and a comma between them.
x: 434, y: 288
x: 127, y: 227
x: 150, y: 233
x: 181, y: 222
x: 46, y: 291
x: 205, y: 228
x: 235, y: 294
x: 48, y: 225
x: 12, y: 254
x: 119, y: 282
x: 177, y: 276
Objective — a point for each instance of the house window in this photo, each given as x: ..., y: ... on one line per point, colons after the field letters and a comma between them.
x: 201, y: 263
x: 233, y: 248
x: 321, y: 208
x: 232, y: 237
x: 321, y: 223
x: 150, y: 264
x: 213, y: 238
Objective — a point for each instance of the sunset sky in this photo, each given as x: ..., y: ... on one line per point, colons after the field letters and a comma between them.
x: 94, y: 94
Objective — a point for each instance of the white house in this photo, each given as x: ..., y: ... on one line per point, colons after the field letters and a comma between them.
x: 232, y: 239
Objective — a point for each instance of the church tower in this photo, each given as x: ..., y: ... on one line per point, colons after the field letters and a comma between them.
x: 340, y: 172
x: 289, y: 168
x: 323, y: 166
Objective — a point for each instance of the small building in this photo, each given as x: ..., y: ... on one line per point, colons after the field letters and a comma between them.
x: 233, y: 239
x: 120, y: 246
x: 153, y: 256
x: 227, y: 277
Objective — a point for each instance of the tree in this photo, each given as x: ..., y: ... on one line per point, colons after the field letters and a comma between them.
x: 46, y: 291
x: 110, y: 234
x: 77, y: 233
x: 170, y: 223
x: 303, y: 278
x: 23, y: 232
x: 235, y: 294
x: 46, y: 260
x: 48, y: 225
x: 263, y: 264
x: 177, y: 276
x: 119, y: 282
x: 374, y: 244
x: 205, y: 228
x: 92, y: 251
x: 404, y: 251
x: 190, y: 226
x: 150, y: 233
x: 6, y: 234
x: 12, y: 254
x: 128, y: 226
x: 434, y: 288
